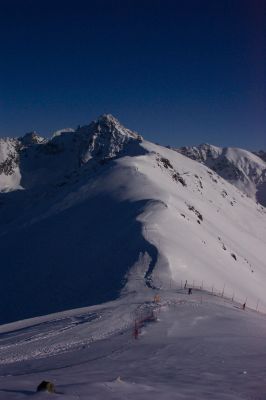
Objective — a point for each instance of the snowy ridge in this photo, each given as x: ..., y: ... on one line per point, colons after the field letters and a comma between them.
x: 104, y: 212
x: 245, y: 170
x: 111, y: 221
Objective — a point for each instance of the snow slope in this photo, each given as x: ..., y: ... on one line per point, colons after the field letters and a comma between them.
x: 104, y: 211
x: 245, y: 170
x: 194, y: 347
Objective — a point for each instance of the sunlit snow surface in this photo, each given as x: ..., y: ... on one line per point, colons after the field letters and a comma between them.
x: 245, y: 170
x: 138, y: 219
x: 107, y: 218
x: 200, y: 347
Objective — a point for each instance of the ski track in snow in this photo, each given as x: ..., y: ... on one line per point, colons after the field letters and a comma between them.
x: 201, y: 346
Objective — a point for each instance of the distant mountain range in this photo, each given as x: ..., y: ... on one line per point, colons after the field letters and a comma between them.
x: 245, y: 170
x: 97, y: 212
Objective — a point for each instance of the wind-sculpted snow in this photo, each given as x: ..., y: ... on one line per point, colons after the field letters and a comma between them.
x: 104, y: 213
x: 76, y: 257
x: 194, y: 347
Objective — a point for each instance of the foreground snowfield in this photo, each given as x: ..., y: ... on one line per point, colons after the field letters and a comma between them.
x: 199, y: 347
x: 199, y: 227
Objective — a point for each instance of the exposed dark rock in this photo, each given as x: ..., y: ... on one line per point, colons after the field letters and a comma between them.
x: 46, y: 386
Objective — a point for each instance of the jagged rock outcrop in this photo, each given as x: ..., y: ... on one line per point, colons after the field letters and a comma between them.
x: 31, y: 138
x: 33, y: 160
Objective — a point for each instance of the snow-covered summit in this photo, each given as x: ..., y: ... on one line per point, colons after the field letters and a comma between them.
x: 107, y: 124
x: 40, y: 161
x: 104, y: 212
x: 105, y: 215
x: 105, y: 137
x: 31, y: 138
x: 242, y: 168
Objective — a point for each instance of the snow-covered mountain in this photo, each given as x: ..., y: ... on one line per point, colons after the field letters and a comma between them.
x: 245, y: 170
x: 97, y: 212
x: 261, y: 154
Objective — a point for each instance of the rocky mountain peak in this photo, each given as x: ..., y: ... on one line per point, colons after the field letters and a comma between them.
x: 108, y: 119
x: 104, y: 138
x: 106, y: 125
x: 32, y: 138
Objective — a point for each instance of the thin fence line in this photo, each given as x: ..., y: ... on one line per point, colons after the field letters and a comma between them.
x: 213, y: 291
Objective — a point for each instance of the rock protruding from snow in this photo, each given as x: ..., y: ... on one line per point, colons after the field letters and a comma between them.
x: 245, y: 170
x: 40, y: 161
x: 31, y: 138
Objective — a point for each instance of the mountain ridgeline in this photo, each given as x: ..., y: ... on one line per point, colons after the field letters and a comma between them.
x: 245, y: 170
x: 98, y: 212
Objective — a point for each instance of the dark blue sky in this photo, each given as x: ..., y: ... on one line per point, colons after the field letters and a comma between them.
x: 179, y: 72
